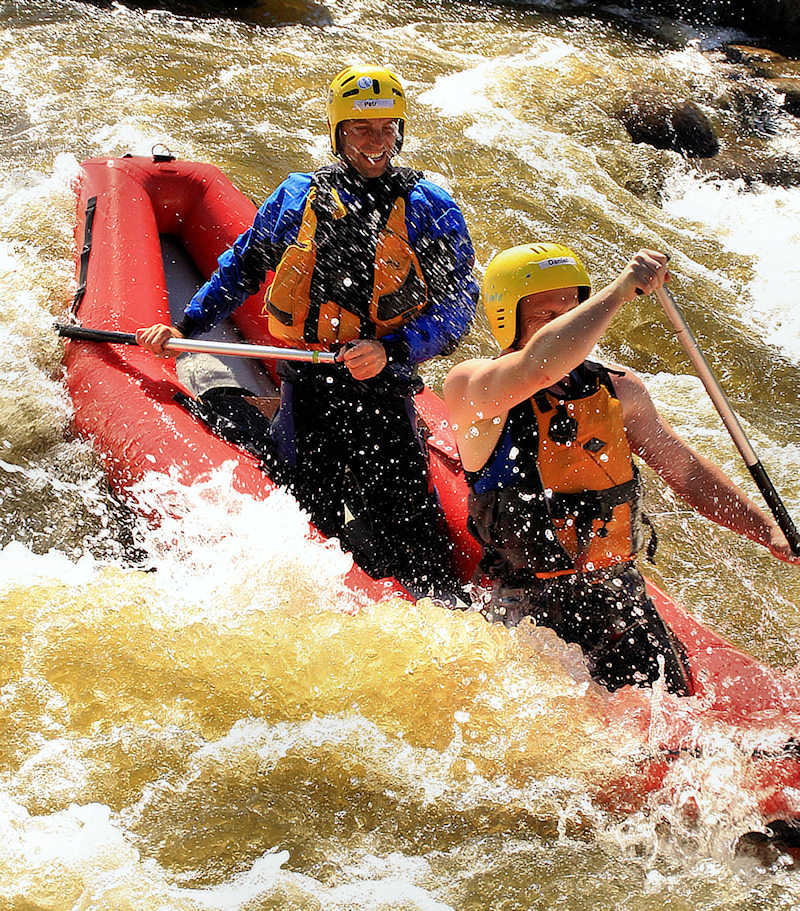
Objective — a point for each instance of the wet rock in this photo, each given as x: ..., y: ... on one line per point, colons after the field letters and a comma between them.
x: 790, y: 89
x: 286, y: 12
x: 754, y: 106
x: 778, y: 72
x: 775, y: 22
x: 666, y: 122
x: 761, y: 60
x: 781, y: 171
x: 776, y: 848
x: 264, y: 12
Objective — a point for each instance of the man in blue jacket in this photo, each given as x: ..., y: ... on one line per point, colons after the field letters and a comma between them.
x: 374, y: 262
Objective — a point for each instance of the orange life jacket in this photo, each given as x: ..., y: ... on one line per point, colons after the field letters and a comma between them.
x: 560, y: 493
x: 350, y: 274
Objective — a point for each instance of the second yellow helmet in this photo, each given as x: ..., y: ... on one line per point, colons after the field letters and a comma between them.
x: 527, y: 269
x: 365, y: 92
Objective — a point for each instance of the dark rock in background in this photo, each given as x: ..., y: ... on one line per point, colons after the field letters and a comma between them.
x: 731, y: 164
x: 761, y: 60
x: 779, y: 73
x: 667, y: 122
x: 790, y: 89
x: 775, y: 22
x: 263, y: 12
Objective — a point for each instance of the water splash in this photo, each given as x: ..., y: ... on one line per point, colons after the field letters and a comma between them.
x: 761, y: 223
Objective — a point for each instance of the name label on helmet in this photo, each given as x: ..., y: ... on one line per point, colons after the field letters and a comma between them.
x: 557, y: 261
x: 363, y: 103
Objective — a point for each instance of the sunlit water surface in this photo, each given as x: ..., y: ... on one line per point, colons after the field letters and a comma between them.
x: 200, y: 714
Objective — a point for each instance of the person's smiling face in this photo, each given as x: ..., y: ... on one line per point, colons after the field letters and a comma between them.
x: 369, y: 144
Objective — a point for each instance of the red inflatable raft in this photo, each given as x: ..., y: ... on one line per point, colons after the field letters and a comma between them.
x: 149, y: 232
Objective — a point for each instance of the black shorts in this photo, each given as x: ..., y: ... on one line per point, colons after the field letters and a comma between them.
x: 610, y: 615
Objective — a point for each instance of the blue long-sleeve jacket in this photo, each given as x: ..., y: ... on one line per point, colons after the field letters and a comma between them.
x: 436, y: 230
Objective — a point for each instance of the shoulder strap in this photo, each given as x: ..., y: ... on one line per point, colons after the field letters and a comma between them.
x: 404, y: 180
x: 325, y: 200
x: 603, y: 375
x: 584, y: 380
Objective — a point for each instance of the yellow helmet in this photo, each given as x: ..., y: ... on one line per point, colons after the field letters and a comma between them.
x: 527, y: 269
x: 365, y: 92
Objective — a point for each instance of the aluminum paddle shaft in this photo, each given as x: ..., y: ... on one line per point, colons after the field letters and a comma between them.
x: 241, y: 350
x: 199, y: 346
x: 729, y: 419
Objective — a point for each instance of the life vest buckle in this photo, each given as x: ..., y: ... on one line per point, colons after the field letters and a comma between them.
x: 563, y: 428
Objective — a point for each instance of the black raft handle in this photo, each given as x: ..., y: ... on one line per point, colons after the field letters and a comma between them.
x: 161, y: 153
x: 95, y: 335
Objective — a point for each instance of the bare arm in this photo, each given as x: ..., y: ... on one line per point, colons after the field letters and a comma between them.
x: 693, y: 477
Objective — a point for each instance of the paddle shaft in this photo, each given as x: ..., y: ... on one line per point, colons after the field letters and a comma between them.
x: 198, y: 346
x: 729, y: 419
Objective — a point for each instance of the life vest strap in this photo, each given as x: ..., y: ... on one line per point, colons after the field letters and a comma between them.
x: 280, y: 315
x: 599, y: 504
x: 584, y: 507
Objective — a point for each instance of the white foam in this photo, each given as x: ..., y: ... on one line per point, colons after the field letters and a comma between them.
x: 70, y: 848
x: 244, y: 888
x: 690, y: 59
x: 129, y: 135
x: 55, y: 774
x: 20, y: 567
x: 761, y: 222
x: 84, y: 852
x: 34, y: 407
x: 388, y: 892
x: 223, y: 553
